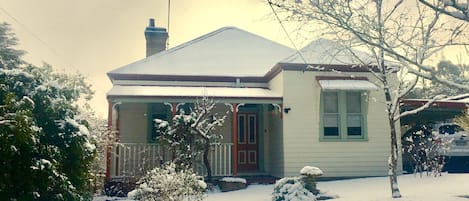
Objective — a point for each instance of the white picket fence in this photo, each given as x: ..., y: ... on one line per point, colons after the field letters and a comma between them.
x: 134, y: 159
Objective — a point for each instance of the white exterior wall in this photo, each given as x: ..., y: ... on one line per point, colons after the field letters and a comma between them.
x: 276, y: 83
x: 275, y: 152
x: 226, y: 130
x: 133, y: 123
x: 274, y: 164
x: 337, y: 159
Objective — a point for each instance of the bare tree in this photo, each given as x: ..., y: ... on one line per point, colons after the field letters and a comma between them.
x: 458, y: 9
x: 395, y: 33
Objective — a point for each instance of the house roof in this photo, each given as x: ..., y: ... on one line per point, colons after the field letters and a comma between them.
x: 178, y: 92
x: 228, y: 52
x: 325, y: 54
x: 447, y: 104
x: 329, y: 52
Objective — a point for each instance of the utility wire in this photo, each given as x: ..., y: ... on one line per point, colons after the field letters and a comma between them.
x: 286, y: 32
x: 169, y: 15
x: 44, y: 43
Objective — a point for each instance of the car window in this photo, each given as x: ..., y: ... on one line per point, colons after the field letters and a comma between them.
x: 448, y: 129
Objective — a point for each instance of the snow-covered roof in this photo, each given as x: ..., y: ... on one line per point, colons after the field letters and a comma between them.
x: 337, y: 84
x: 228, y: 51
x: 329, y: 52
x: 170, y: 91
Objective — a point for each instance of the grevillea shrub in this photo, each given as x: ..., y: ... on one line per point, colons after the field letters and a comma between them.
x: 167, y: 183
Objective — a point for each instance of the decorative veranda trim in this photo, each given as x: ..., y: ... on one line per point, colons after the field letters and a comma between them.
x: 279, y: 108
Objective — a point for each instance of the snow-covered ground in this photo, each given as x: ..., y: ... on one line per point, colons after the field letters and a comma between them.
x: 449, y: 187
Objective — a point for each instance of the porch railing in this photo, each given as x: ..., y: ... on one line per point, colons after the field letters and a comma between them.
x: 220, y: 160
x: 134, y: 159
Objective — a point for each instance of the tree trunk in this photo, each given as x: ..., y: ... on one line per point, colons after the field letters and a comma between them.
x: 393, y: 161
x: 207, y: 163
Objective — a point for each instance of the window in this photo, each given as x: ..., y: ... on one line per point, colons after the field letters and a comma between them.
x: 156, y: 111
x: 342, y: 115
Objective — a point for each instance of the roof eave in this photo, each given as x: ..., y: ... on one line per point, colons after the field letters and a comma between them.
x: 193, y: 78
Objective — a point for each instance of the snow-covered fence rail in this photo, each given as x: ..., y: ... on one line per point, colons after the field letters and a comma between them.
x: 134, y: 159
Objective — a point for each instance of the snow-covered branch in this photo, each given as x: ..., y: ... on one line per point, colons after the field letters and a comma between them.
x: 459, y: 10
x: 419, y: 109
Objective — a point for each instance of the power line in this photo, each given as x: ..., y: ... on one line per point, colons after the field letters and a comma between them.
x: 286, y: 32
x: 169, y: 15
x: 45, y: 44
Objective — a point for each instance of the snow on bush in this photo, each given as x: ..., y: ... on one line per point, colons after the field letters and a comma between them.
x: 311, y: 171
x: 291, y: 189
x: 45, y: 147
x: 169, y: 184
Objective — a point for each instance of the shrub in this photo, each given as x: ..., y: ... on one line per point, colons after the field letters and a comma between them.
x: 291, y: 189
x: 426, y: 149
x: 168, y: 184
x: 46, y: 150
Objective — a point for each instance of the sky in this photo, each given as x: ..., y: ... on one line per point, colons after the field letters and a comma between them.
x: 93, y: 37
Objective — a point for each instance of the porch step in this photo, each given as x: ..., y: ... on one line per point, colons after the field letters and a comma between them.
x: 260, y: 179
x: 255, y: 179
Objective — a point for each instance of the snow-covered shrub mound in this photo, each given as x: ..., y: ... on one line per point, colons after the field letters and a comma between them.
x: 311, y: 171
x: 291, y: 189
x: 168, y: 184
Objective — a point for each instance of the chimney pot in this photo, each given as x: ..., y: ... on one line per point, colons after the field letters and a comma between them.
x: 156, y: 38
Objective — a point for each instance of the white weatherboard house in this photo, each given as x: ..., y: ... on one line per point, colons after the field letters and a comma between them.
x: 286, y: 110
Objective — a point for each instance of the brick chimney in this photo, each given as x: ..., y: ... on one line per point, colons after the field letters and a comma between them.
x: 156, y: 38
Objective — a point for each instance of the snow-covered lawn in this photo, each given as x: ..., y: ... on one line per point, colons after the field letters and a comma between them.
x: 449, y: 187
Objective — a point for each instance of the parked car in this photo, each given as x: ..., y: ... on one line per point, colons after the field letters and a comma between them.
x: 460, y: 137
x: 452, y: 130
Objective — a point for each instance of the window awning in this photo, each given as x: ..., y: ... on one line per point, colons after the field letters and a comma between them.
x: 337, y: 84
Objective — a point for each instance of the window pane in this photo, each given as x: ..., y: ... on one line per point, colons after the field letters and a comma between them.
x: 331, y: 125
x: 241, y: 129
x: 353, y: 102
x: 330, y: 102
x: 331, y: 120
x: 252, y: 129
x: 354, y: 124
x: 354, y: 131
x: 354, y: 120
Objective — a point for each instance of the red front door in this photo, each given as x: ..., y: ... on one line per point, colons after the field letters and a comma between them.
x: 247, y: 142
